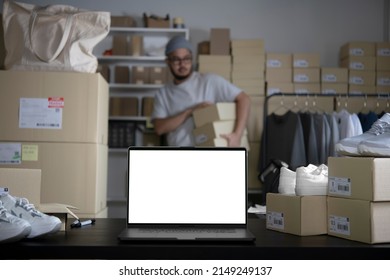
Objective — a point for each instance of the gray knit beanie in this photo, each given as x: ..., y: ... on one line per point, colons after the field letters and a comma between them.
x: 178, y: 42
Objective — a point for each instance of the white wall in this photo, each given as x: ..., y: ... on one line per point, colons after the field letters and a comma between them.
x: 285, y: 25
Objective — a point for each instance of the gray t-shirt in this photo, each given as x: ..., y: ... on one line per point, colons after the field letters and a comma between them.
x: 173, y: 99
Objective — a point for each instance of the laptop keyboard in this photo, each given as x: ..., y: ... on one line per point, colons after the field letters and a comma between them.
x: 186, y: 230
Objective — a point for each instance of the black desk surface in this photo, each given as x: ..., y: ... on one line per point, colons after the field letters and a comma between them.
x: 100, y: 241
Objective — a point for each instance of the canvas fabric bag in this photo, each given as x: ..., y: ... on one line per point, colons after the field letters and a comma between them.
x: 52, y: 38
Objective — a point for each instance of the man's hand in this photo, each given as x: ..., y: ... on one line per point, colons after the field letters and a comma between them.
x: 233, y: 139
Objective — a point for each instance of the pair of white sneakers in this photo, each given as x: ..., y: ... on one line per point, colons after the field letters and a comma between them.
x: 306, y: 180
x: 374, y: 142
x: 19, y: 219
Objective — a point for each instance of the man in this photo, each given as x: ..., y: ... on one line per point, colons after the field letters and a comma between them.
x: 190, y: 90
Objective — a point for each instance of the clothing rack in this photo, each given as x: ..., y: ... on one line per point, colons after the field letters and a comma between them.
x: 311, y: 101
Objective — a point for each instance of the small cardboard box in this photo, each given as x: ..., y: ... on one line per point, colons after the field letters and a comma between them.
x: 222, y: 142
x: 383, y: 63
x: 154, y: 21
x: 279, y: 60
x: 299, y: 215
x: 220, y: 41
x: 383, y: 49
x: 158, y: 75
x: 363, y: 178
x: 357, y: 48
x: 383, y: 78
x: 334, y: 75
x: 123, y: 21
x: 216, y: 112
x: 22, y: 182
x: 306, y: 60
x: 358, y: 77
x: 212, y: 130
x: 306, y: 75
x: 365, y: 63
x: 304, y: 88
x: 122, y: 74
x: 140, y: 75
x: 277, y: 87
x: 333, y: 88
x: 136, y: 45
x: 123, y: 106
x: 361, y: 89
x: 120, y: 45
x: 283, y: 75
x: 359, y: 220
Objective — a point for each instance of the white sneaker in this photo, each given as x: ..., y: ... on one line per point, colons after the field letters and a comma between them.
x: 349, y: 146
x: 312, y: 181
x: 287, y: 179
x: 378, y: 146
x: 12, y: 228
x: 41, y: 223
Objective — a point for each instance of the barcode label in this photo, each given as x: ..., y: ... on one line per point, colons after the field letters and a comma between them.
x: 339, y: 225
x: 340, y: 186
x: 275, y: 220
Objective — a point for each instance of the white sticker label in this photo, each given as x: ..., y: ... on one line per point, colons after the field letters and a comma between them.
x: 10, y: 153
x: 301, y: 63
x: 275, y: 220
x: 339, y: 225
x: 301, y: 78
x: 383, y: 52
x: 274, y: 63
x: 356, y: 51
x: 340, y: 186
x: 329, y: 78
x: 43, y: 113
x: 356, y: 65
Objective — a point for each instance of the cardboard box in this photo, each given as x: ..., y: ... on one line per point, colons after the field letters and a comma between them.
x: 306, y: 60
x: 279, y: 60
x: 136, y: 45
x: 248, y: 59
x: 22, y: 183
x: 72, y: 173
x: 361, y: 89
x: 204, y: 48
x: 357, y: 48
x: 358, y: 77
x: 304, y: 88
x: 123, y: 21
x: 158, y: 75
x: 334, y: 75
x: 122, y: 74
x: 383, y: 89
x: 247, y: 43
x: 120, y: 45
x: 212, y: 130
x: 123, y: 106
x: 306, y: 75
x: 333, y: 88
x: 364, y: 63
x: 222, y: 142
x: 363, y: 178
x: 382, y: 49
x: 220, y: 41
x: 215, y: 59
x: 276, y: 87
x: 140, y: 75
x: 147, y: 106
x: 255, y: 120
x: 216, y: 112
x: 252, y: 67
x: 299, y: 215
x: 359, y: 220
x: 53, y: 107
x: 383, y: 63
x: 154, y: 21
x: 282, y: 75
x: 383, y: 78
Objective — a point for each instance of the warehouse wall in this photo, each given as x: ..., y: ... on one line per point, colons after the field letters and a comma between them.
x: 285, y: 25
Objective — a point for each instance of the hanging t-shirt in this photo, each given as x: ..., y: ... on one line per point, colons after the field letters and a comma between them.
x: 173, y: 99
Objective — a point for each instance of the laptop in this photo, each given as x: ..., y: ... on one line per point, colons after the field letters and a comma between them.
x: 187, y: 193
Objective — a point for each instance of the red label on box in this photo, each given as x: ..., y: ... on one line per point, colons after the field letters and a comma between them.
x: 56, y: 102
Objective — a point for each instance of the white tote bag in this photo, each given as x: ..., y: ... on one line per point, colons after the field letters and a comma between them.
x: 52, y: 38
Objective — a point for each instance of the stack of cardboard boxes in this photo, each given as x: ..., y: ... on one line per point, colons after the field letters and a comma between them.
x: 356, y: 207
x: 306, y: 73
x: 382, y: 67
x: 359, y: 58
x: 278, y: 73
x: 218, y: 58
x: 214, y: 120
x: 57, y: 122
x: 248, y: 65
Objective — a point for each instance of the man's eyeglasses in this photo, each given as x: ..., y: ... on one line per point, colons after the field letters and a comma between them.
x: 176, y: 60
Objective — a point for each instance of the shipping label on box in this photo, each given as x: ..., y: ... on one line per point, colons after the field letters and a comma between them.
x: 306, y: 75
x: 383, y: 49
x: 275, y: 220
x: 45, y: 113
x: 306, y: 60
x: 278, y: 60
x: 334, y: 75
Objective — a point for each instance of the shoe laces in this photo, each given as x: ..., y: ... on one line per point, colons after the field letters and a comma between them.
x: 379, y: 127
x: 29, y: 207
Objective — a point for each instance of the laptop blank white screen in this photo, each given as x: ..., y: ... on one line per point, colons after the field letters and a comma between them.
x: 200, y: 186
